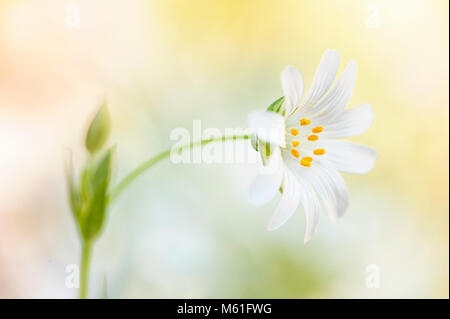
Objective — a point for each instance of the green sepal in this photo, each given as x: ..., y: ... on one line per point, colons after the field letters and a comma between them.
x: 264, y: 150
x: 98, y: 180
x: 255, y: 142
x: 277, y: 106
x: 86, y: 189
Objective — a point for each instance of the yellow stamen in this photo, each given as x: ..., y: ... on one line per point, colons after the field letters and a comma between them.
x: 294, y: 132
x: 313, y: 137
x: 295, y: 143
x: 304, y: 122
x: 307, y: 158
x: 305, y: 163
x: 319, y: 151
x: 295, y: 153
x: 317, y: 129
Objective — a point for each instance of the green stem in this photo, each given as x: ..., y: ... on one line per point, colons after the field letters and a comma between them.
x: 152, y: 161
x: 87, y: 245
x: 85, y: 262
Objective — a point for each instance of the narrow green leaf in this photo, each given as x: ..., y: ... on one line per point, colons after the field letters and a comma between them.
x: 98, y: 131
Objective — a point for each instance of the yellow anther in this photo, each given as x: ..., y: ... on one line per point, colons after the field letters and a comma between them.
x: 313, y: 137
x: 295, y: 153
x: 317, y: 129
x: 304, y: 122
x: 305, y: 163
x: 307, y: 158
x: 295, y: 143
x: 294, y: 132
x: 319, y: 151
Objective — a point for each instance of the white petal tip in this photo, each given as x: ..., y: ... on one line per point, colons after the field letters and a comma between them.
x: 256, y: 201
x: 258, y: 196
x: 274, y: 224
x: 292, y: 85
x: 352, y: 63
x: 289, y: 68
x: 330, y: 52
x: 373, y: 155
x: 271, y: 226
x: 259, y: 199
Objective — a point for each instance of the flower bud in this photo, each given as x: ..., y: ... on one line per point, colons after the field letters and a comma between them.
x: 98, y: 131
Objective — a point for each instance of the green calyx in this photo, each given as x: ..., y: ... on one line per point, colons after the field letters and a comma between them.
x: 277, y: 106
x: 264, y: 149
x: 89, y: 196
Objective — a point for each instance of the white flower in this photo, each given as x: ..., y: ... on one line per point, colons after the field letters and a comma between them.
x: 304, y: 151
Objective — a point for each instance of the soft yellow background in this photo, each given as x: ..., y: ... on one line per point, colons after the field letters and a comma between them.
x: 188, y: 230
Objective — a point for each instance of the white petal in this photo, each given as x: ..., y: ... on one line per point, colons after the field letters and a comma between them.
x: 264, y: 188
x: 326, y: 182
x: 350, y: 122
x: 336, y: 100
x: 325, y: 192
x: 336, y: 196
x: 267, y: 184
x: 292, y: 85
x: 311, y: 206
x: 269, y: 126
x: 316, y: 188
x: 350, y: 157
x: 288, y: 203
x: 324, y: 77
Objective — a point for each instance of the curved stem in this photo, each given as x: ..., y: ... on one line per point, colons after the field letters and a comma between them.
x: 152, y: 161
x: 85, y: 262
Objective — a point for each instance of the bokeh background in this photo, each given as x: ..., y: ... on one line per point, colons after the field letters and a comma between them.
x: 188, y: 230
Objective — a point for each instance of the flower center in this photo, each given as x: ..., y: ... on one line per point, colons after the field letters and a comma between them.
x: 306, y: 136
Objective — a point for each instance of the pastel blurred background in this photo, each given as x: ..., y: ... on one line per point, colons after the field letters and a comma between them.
x: 188, y: 231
